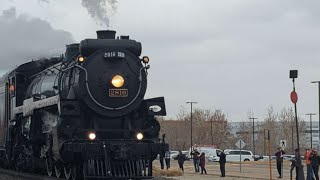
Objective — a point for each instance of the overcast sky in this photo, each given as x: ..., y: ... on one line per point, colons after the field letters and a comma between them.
x: 233, y: 55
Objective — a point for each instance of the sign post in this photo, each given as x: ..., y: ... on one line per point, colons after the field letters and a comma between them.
x: 240, y: 144
x: 294, y: 99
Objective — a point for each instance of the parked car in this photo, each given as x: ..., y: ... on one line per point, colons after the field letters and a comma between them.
x: 266, y: 158
x: 174, y: 154
x: 234, y: 155
x: 211, y: 152
x: 257, y: 157
x: 186, y: 155
x: 288, y: 157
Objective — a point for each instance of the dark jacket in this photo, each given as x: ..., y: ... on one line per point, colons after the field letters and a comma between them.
x: 195, y: 155
x: 181, y: 158
x: 202, y: 160
x: 279, y: 156
x: 222, y: 158
x: 315, y: 159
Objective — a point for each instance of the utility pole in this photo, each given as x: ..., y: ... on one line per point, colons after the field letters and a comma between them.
x: 319, y: 108
x: 310, y: 114
x: 211, y: 132
x: 254, y: 148
x: 264, y: 142
x: 191, y: 102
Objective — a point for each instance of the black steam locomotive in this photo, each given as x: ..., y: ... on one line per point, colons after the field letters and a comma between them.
x: 82, y: 115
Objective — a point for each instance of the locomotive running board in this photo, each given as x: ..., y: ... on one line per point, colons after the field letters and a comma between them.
x: 29, y: 105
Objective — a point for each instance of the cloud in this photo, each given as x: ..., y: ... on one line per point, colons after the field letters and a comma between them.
x: 24, y: 38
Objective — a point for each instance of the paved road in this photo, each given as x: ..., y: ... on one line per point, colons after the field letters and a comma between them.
x: 249, y: 170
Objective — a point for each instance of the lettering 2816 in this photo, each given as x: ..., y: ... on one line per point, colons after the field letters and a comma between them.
x: 118, y: 92
x: 116, y: 54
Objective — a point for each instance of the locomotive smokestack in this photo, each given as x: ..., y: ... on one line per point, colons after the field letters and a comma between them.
x: 106, y: 34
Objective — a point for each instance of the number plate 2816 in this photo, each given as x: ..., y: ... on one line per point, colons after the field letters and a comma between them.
x: 118, y: 92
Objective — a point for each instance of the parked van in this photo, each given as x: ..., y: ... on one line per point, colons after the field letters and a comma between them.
x: 211, y: 152
x: 234, y: 155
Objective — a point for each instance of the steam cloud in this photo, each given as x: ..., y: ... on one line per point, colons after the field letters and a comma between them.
x: 100, y: 10
x: 24, y: 38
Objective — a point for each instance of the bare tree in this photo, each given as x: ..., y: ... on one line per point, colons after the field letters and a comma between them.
x: 178, y: 131
x: 212, y: 127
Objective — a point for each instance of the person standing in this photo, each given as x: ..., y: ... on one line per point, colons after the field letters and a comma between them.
x: 222, y: 162
x: 279, y: 159
x: 203, y: 163
x: 181, y: 158
x: 196, y: 160
x: 167, y: 159
x: 161, y: 158
x: 315, y: 158
x: 307, y: 156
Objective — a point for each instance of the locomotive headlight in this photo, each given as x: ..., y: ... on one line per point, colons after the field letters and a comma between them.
x: 81, y: 59
x: 139, y: 136
x: 145, y: 59
x: 92, y: 136
x: 117, y: 81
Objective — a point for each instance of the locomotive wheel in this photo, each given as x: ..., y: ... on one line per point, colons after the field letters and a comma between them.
x: 49, y: 166
x: 67, y: 172
x: 85, y: 169
x: 57, y: 170
x: 91, y: 167
x: 76, y: 172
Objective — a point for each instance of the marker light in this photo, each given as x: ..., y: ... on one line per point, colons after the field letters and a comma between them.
x: 117, y: 81
x: 145, y: 59
x: 139, y: 136
x: 81, y: 59
x: 92, y: 136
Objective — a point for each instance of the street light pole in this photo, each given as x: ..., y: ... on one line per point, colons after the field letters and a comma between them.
x: 310, y: 114
x: 254, y: 148
x: 319, y: 108
x: 191, y: 102
x: 211, y: 131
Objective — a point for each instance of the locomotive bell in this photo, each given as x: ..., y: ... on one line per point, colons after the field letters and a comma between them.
x: 106, y: 34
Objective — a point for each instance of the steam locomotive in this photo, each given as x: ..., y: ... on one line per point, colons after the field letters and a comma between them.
x: 82, y: 115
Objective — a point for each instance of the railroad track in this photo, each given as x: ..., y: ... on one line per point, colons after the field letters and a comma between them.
x: 18, y: 175
x: 6, y: 174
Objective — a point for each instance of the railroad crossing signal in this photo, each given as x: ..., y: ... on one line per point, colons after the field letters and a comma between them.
x: 283, y: 144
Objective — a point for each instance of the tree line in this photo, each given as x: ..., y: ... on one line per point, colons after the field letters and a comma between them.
x: 212, y: 127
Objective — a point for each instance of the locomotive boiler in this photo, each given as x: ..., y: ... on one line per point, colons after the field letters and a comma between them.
x: 82, y: 115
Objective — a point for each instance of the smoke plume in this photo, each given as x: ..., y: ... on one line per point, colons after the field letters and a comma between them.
x: 100, y: 10
x: 24, y: 38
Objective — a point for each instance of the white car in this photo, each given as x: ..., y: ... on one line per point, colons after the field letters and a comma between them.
x: 210, y: 153
x: 234, y: 155
x: 173, y: 154
x: 288, y: 157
